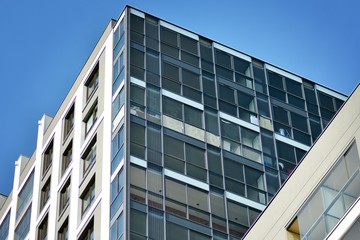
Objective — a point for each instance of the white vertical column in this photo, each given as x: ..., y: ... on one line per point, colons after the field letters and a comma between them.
x: 106, y: 158
x: 14, y: 199
x: 56, y: 163
x: 37, y: 176
x: 76, y: 165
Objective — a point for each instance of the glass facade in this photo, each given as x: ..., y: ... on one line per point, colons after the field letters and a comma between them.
x: 212, y: 133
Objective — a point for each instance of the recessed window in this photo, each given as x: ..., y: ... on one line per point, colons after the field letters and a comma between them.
x: 69, y: 122
x: 67, y: 158
x: 91, y: 118
x: 88, y: 233
x: 92, y: 83
x: 64, y: 231
x: 45, y: 194
x: 242, y: 66
x: 64, y: 196
x: 42, y: 233
x: 223, y: 59
x: 89, y: 156
x: 48, y: 157
x: 88, y: 196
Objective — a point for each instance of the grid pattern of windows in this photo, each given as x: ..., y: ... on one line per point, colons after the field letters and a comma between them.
x: 212, y: 116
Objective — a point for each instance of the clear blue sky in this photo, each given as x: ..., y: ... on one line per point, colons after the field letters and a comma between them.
x: 45, y: 43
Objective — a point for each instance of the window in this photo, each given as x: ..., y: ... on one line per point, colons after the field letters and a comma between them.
x: 240, y: 218
x: 332, y: 198
x: 92, y: 83
x: 69, y: 122
x: 64, y: 231
x: 88, y: 233
x: 67, y: 158
x: 91, y: 118
x: 42, y: 232
x: 4, y: 226
x: 45, y: 194
x: 64, y: 196
x: 118, y: 103
x: 23, y: 227
x: 89, y: 156
x: 211, y: 121
x: 187, y: 201
x: 244, y: 181
x: 25, y: 195
x: 48, y: 157
x: 117, y: 229
x: 88, y: 196
x: 182, y: 112
x: 193, y: 116
x: 137, y: 224
x: 137, y: 140
x: 117, y: 150
x: 172, y: 108
x: 137, y: 184
x: 117, y: 193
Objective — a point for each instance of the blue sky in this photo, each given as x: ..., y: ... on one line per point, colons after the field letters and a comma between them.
x: 44, y: 44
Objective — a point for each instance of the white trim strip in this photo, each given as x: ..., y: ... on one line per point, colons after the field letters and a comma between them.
x: 179, y: 30
x: 20, y: 187
x: 346, y: 222
x: 117, y: 91
x: 186, y: 179
x: 118, y: 118
x: 183, y: 99
x: 328, y: 91
x: 283, y: 73
x: 232, y: 52
x: 117, y: 170
x: 291, y: 142
x: 65, y: 177
x: 138, y: 82
x: 245, y: 201
x: 239, y: 122
x: 138, y: 161
x: 6, y: 212
x: 91, y: 134
x: 137, y: 13
x: 119, y: 20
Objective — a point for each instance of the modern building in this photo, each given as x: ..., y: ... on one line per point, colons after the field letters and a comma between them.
x: 165, y: 134
x: 320, y: 200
